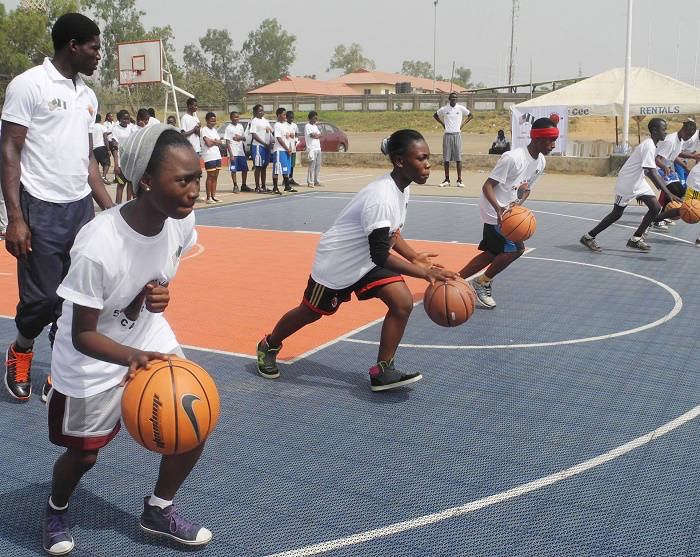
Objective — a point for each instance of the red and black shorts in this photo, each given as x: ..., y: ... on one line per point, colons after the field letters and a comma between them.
x: 326, y: 301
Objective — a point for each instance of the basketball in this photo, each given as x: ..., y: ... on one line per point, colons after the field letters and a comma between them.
x: 690, y: 211
x: 449, y: 303
x: 673, y: 205
x: 518, y: 223
x: 172, y: 407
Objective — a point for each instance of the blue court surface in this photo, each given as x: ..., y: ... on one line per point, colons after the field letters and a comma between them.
x: 563, y: 422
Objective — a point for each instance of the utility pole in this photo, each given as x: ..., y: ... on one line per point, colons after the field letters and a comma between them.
x: 434, y: 41
x: 511, y: 64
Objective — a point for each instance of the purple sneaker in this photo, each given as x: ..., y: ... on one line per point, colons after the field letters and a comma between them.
x: 56, y: 533
x: 167, y: 522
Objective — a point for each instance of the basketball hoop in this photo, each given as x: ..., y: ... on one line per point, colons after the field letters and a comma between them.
x: 129, y: 77
x: 140, y: 62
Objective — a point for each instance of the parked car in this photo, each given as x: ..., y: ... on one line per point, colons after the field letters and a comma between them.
x: 245, y: 122
x: 332, y: 137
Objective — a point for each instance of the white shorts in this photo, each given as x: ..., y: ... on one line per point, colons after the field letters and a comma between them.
x: 622, y: 198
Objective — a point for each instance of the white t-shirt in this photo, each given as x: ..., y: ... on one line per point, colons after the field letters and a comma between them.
x: 108, y: 129
x: 293, y: 136
x: 236, y: 145
x: 110, y: 265
x: 98, y: 138
x: 210, y: 153
x: 342, y: 256
x: 630, y: 180
x: 312, y: 144
x: 120, y: 133
x: 669, y: 148
x: 152, y: 121
x: 693, y: 144
x: 261, y: 127
x: 281, y: 129
x: 693, y: 178
x: 515, y: 169
x: 59, y: 116
x: 188, y: 122
x: 452, y: 116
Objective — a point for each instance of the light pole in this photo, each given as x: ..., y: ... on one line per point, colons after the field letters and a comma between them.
x: 434, y: 41
x: 626, y: 97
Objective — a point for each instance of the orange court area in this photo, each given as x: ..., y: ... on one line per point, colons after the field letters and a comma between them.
x: 234, y: 286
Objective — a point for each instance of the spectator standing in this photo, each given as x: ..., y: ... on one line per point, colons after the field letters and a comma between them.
x: 211, y: 155
x: 234, y: 136
x: 294, y: 141
x: 312, y: 135
x: 261, y: 132
x: 454, y: 118
x: 191, y: 128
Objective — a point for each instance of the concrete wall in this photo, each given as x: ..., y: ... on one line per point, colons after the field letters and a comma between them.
x: 603, y: 166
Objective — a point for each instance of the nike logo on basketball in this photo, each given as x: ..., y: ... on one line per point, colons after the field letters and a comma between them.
x: 187, y: 400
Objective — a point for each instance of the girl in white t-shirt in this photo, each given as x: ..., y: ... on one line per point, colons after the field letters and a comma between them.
x: 509, y: 184
x: 112, y: 324
x: 211, y: 141
x: 354, y: 256
x: 120, y: 132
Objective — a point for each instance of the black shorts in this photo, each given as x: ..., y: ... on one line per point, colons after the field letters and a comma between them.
x: 326, y: 301
x: 101, y: 155
x: 496, y: 243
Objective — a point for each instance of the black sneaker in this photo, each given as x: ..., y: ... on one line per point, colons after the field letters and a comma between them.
x: 167, y: 522
x: 46, y: 389
x: 267, y: 359
x: 290, y: 189
x: 293, y: 182
x: 640, y: 244
x: 18, y: 377
x: 590, y: 243
x: 276, y: 190
x: 246, y: 188
x: 57, y: 539
x: 697, y: 243
x: 385, y: 376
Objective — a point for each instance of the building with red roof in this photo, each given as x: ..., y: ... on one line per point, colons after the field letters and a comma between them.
x: 371, y: 82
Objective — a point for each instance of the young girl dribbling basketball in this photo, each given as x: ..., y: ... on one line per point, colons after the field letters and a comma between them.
x: 354, y: 256
x: 112, y: 324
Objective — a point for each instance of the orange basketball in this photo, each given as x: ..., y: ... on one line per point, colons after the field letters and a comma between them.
x: 518, y: 223
x: 171, y: 407
x: 673, y: 205
x: 449, y: 303
x: 690, y: 211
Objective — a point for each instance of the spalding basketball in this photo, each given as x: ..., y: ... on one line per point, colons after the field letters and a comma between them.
x: 690, y: 211
x: 673, y: 205
x: 171, y: 407
x: 518, y: 223
x: 449, y: 303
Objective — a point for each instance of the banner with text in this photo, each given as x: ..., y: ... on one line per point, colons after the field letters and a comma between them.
x: 522, y: 119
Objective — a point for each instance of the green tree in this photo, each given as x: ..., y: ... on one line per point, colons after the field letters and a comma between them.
x: 216, y: 57
x: 416, y: 68
x: 463, y: 77
x: 269, y: 52
x: 349, y: 59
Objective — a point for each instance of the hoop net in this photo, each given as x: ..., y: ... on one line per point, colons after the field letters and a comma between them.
x: 128, y: 77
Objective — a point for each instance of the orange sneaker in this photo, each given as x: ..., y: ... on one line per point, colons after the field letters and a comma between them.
x: 18, y: 367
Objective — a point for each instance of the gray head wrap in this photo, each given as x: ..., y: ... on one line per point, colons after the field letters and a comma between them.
x: 136, y: 151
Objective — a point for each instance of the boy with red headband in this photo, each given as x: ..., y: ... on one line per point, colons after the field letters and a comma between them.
x: 508, y: 184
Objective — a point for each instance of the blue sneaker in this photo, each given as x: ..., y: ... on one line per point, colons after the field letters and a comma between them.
x: 57, y: 539
x: 167, y: 522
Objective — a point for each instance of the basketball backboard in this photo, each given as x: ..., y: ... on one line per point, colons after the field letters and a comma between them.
x: 140, y: 62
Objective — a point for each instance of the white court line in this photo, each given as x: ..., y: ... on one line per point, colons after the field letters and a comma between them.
x: 224, y: 352
x: 478, y: 504
x: 200, y: 250
x: 670, y: 315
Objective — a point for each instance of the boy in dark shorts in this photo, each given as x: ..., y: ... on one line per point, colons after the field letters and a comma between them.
x: 354, y: 256
x: 510, y: 183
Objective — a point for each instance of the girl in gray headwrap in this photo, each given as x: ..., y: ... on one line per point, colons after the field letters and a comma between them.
x: 112, y: 324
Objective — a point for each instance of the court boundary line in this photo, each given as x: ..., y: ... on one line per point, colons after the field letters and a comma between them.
x: 490, y: 500
x: 678, y: 305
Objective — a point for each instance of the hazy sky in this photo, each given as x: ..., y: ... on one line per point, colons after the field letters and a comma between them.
x: 560, y: 37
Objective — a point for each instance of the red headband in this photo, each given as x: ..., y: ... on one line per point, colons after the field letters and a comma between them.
x: 536, y: 133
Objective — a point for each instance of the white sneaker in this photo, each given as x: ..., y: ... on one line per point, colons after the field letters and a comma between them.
x: 445, y: 184
x: 670, y: 222
x: 697, y: 243
x: 483, y: 293
x: 460, y: 184
x: 659, y: 225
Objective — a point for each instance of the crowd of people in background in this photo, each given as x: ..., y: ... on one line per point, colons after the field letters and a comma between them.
x: 261, y: 141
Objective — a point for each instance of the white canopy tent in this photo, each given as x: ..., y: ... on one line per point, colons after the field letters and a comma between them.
x: 651, y: 94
